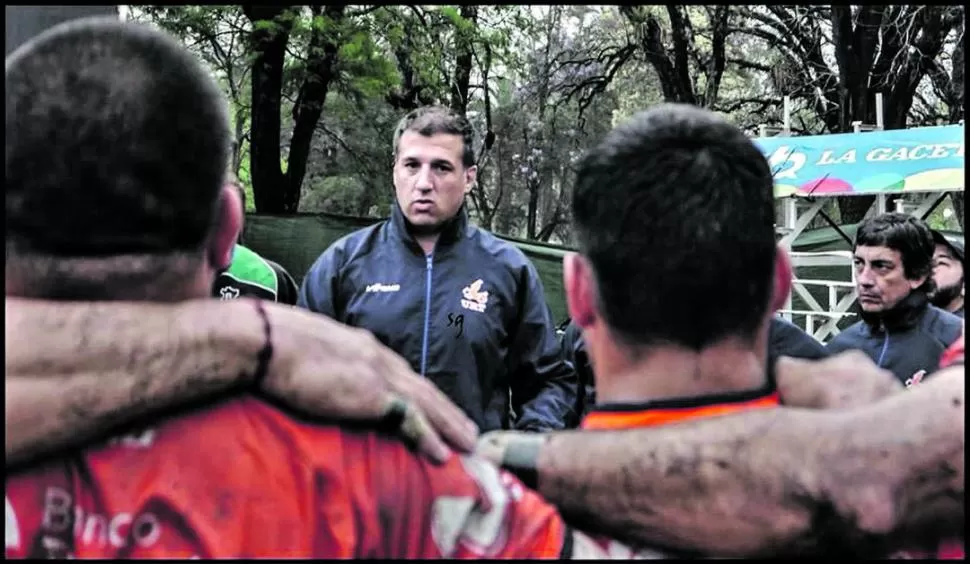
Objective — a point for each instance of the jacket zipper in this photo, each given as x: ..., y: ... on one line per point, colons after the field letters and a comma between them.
x: 427, y: 314
x: 885, y: 346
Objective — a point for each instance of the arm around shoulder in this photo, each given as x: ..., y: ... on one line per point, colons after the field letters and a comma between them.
x: 74, y: 370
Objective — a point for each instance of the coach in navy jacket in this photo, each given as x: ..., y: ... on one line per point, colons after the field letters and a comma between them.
x: 465, y: 308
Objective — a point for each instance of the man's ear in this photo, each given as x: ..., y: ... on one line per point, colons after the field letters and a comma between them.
x: 580, y: 289
x: 783, y: 279
x: 229, y: 223
x: 913, y: 284
x: 471, y: 176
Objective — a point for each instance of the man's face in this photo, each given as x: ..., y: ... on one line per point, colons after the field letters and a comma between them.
x: 429, y: 178
x: 947, y: 273
x: 880, y: 279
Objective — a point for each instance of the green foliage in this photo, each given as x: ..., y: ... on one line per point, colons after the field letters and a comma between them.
x: 540, y: 62
x: 334, y: 194
x: 365, y: 70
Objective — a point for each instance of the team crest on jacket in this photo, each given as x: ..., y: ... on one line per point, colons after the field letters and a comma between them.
x: 473, y: 297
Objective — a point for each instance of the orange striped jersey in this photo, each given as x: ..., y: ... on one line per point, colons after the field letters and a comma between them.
x: 663, y: 412
x: 241, y: 479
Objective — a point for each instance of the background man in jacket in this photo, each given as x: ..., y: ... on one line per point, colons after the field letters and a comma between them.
x: 465, y: 308
x: 900, y: 330
x: 948, y: 273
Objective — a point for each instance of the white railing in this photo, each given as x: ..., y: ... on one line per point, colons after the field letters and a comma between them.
x: 836, y: 310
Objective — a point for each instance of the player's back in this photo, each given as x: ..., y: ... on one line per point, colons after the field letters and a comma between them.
x: 242, y: 479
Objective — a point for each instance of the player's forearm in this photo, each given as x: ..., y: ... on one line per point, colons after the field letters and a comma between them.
x: 74, y: 370
x: 786, y: 480
x: 719, y: 486
x: 917, y: 459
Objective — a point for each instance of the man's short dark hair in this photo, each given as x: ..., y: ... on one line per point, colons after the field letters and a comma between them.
x: 435, y: 120
x: 675, y: 212
x: 117, y: 143
x: 904, y: 233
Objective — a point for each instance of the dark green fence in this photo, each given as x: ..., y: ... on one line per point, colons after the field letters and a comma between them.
x: 296, y: 241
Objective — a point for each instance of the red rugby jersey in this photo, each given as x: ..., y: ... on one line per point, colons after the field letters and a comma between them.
x: 242, y: 479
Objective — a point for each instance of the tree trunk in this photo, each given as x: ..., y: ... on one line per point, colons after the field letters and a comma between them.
x: 532, y: 216
x: 463, y: 61
x: 412, y: 93
x: 856, y: 38
x: 536, y: 167
x: 675, y: 73
x: 240, y: 138
x: 956, y: 92
x: 268, y: 45
x: 324, y: 45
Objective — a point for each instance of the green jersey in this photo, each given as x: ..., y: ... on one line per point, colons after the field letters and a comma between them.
x: 250, y: 275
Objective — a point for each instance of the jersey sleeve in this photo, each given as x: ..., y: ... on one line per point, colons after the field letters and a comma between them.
x: 466, y: 508
x: 318, y: 292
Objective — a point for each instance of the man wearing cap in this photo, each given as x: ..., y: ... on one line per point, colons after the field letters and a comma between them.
x: 948, y: 273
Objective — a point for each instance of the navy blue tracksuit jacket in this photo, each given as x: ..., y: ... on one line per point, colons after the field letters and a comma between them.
x: 909, y: 338
x: 471, y: 316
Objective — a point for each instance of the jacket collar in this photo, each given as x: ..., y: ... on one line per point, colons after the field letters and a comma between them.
x: 904, y: 315
x: 451, y: 232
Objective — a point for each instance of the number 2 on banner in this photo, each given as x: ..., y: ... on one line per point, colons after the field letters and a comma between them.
x: 784, y: 155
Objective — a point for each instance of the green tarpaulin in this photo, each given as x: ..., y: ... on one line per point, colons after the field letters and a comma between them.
x: 296, y: 241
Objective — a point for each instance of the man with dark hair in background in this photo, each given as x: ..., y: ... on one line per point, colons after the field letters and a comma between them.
x: 251, y: 275
x: 948, y: 273
x: 900, y: 330
x: 464, y: 307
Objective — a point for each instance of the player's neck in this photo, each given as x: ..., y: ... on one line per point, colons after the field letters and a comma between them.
x: 955, y: 305
x: 427, y: 242
x: 671, y: 372
x: 114, y: 285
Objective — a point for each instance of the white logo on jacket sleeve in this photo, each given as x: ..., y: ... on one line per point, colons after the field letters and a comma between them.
x: 473, y: 297
x: 382, y: 288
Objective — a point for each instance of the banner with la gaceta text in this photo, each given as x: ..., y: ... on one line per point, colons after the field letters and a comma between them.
x: 925, y: 159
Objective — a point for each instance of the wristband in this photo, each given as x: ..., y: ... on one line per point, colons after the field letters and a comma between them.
x: 266, y: 353
x: 522, y: 458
